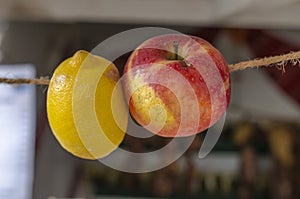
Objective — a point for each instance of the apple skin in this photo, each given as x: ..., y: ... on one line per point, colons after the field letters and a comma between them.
x: 176, y: 85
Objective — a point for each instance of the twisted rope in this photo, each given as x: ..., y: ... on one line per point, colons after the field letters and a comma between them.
x: 279, y: 61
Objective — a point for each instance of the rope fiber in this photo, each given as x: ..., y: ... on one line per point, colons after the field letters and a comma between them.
x: 280, y: 61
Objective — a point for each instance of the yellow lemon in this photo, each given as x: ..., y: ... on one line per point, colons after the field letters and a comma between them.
x: 85, y: 106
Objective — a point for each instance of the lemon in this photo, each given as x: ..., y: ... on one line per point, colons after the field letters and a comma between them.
x: 85, y: 106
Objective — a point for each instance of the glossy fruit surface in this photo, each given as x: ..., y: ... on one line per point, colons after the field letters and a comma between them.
x: 176, y: 85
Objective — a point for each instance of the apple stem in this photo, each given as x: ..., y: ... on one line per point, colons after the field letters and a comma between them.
x: 175, y: 45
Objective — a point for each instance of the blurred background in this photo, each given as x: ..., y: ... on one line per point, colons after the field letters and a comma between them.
x: 258, y: 154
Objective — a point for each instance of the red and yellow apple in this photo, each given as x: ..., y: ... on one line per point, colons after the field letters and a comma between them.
x: 176, y: 85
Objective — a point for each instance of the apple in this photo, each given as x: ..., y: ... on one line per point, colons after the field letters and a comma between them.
x: 176, y: 85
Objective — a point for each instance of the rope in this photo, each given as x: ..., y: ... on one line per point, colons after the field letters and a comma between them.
x: 279, y: 61
x: 40, y: 81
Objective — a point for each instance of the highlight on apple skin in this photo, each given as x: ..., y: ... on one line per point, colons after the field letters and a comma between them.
x: 176, y: 85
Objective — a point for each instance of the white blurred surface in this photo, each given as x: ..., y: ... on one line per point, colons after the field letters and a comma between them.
x: 17, y: 134
x: 237, y: 13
